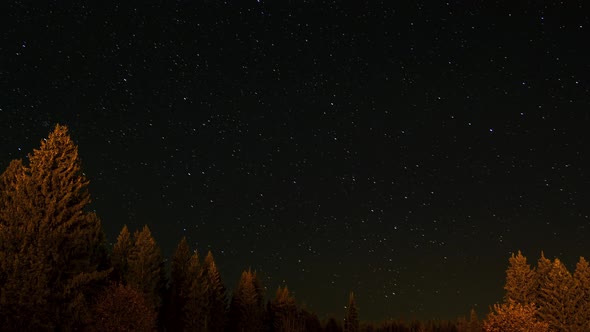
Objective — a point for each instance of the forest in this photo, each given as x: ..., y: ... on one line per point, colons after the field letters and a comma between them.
x: 58, y: 274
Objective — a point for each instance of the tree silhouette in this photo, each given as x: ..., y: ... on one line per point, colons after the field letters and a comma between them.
x: 216, y: 296
x: 123, y: 308
x: 50, y: 246
x: 514, y: 317
x: 120, y: 255
x: 351, y: 318
x: 146, y: 267
x: 520, y: 280
x: 194, y: 292
x: 283, y: 312
x: 555, y: 299
x: 178, y: 282
x: 582, y: 295
x: 247, y: 304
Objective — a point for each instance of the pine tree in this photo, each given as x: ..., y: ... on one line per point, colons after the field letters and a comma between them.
x: 474, y: 324
x: 520, y: 280
x: 178, y: 281
x: 332, y: 325
x: 555, y: 305
x: 247, y: 305
x: 50, y: 246
x: 582, y: 295
x: 216, y: 296
x: 120, y: 255
x: 284, y: 312
x: 544, y: 265
x: 195, y: 308
x: 514, y: 317
x: 351, y: 318
x: 122, y: 308
x: 146, y: 267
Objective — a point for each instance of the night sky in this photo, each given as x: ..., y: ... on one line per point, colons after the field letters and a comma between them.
x: 402, y: 151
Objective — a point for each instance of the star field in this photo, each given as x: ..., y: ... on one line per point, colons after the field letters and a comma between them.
x: 400, y: 151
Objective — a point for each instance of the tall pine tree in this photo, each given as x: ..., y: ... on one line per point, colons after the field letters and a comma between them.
x: 556, y: 291
x: 178, y: 280
x: 582, y: 295
x: 120, y: 255
x: 51, y: 247
x: 246, y: 311
x: 283, y: 312
x: 216, y: 296
x: 520, y: 280
x: 351, y: 318
x: 146, y: 267
x: 194, y: 293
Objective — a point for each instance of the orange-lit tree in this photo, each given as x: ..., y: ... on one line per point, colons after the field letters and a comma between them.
x: 514, y: 317
x: 51, y: 247
x: 122, y: 308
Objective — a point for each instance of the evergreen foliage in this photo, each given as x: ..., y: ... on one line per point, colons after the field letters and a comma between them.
x: 582, y: 295
x: 215, y: 295
x: 195, y: 308
x: 179, y: 274
x: 351, y: 318
x: 146, y: 267
x: 122, y: 308
x: 554, y: 300
x: 120, y: 254
x: 514, y: 317
x: 51, y: 248
x: 246, y: 311
x: 520, y: 280
x: 283, y: 312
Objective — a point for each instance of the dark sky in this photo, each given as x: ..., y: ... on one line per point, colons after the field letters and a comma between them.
x: 401, y: 151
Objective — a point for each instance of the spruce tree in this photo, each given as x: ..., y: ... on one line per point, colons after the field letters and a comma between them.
x: 122, y: 308
x: 195, y: 308
x: 474, y: 323
x: 351, y: 318
x: 555, y: 305
x: 582, y: 295
x: 120, y: 254
x: 514, y: 317
x: 50, y: 245
x: 283, y: 311
x: 178, y: 281
x: 247, y: 305
x: 216, y: 296
x: 520, y: 280
x: 544, y: 265
x: 146, y: 267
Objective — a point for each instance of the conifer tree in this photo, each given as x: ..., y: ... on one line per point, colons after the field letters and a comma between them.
x: 247, y: 305
x: 351, y: 318
x: 120, y: 255
x: 146, y: 267
x: 216, y: 296
x: 582, y: 295
x: 284, y: 312
x: 50, y: 246
x: 122, y: 308
x: 555, y: 305
x: 520, y: 280
x: 474, y: 323
x: 311, y: 322
x: 332, y: 325
x: 514, y: 317
x: 178, y: 281
x: 195, y: 308
x: 544, y: 265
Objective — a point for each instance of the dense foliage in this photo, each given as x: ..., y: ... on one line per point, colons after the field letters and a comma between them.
x: 57, y: 274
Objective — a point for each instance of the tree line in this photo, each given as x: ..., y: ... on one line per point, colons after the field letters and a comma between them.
x: 58, y: 274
